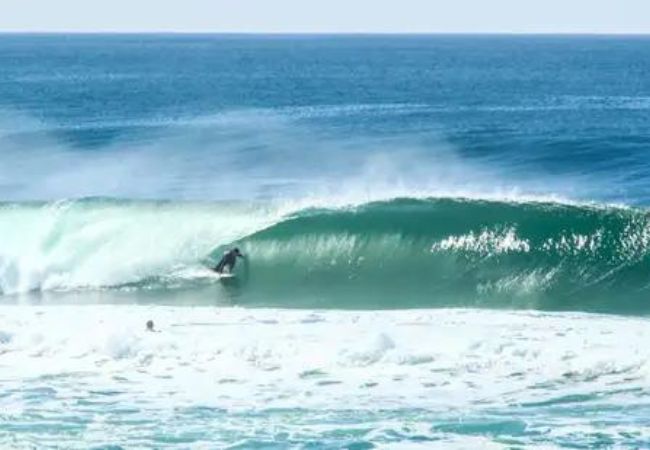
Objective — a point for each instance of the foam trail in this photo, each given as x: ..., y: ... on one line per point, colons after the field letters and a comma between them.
x: 220, y: 371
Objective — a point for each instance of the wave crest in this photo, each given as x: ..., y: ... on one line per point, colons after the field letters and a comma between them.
x: 391, y: 254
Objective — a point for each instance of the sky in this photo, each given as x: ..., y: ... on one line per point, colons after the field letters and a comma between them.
x: 328, y: 16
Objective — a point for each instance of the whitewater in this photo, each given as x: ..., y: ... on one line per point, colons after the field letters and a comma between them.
x: 82, y: 376
x: 447, y: 242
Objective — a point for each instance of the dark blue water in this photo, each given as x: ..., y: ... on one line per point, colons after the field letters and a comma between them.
x: 552, y: 114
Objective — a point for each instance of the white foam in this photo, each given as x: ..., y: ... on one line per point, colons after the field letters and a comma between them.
x: 443, y: 348
x: 320, y: 362
x: 487, y: 242
x: 68, y: 245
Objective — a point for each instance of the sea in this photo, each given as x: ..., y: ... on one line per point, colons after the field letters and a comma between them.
x: 446, y: 240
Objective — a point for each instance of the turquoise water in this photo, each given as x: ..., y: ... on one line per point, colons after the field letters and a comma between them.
x: 393, y: 254
x: 446, y: 238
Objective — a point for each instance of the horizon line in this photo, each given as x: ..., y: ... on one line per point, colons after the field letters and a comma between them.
x: 324, y: 33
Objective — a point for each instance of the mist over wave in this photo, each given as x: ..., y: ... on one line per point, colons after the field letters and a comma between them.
x: 263, y: 154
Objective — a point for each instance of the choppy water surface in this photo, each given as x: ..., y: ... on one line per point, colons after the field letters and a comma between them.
x: 79, y: 376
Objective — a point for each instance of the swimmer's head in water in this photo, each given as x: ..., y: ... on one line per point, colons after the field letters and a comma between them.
x: 149, y: 325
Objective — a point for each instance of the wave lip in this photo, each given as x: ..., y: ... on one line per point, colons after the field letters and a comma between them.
x: 400, y: 253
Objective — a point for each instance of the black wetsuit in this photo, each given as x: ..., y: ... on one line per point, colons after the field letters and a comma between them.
x: 228, y: 260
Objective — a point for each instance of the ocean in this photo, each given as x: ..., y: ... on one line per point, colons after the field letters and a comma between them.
x: 447, y: 241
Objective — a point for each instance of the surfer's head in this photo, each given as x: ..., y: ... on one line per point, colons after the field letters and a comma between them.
x: 149, y: 325
x: 236, y: 250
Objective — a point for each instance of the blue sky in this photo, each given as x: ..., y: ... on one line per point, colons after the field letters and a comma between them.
x: 381, y: 16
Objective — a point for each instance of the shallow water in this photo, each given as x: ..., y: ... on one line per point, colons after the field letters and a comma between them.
x: 91, y: 376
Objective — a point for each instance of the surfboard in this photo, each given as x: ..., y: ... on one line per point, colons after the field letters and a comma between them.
x: 228, y: 279
x: 208, y: 273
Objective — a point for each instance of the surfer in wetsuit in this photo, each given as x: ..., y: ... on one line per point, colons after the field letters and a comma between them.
x: 228, y: 260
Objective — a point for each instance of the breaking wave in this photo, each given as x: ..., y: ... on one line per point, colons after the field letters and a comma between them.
x: 390, y: 254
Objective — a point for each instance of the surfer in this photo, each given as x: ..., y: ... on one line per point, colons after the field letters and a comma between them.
x: 228, y: 260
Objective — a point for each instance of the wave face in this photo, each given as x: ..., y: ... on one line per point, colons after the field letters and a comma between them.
x: 432, y: 253
x: 392, y: 254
